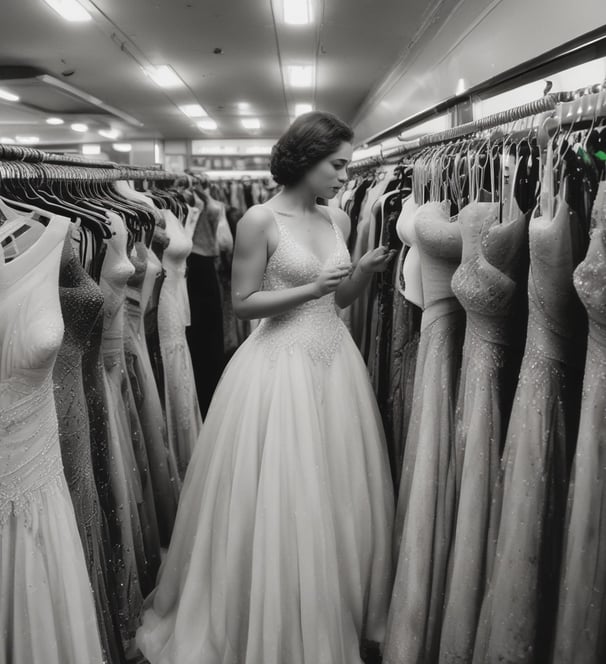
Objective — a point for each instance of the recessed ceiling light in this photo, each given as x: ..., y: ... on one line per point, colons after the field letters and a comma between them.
x: 122, y: 147
x: 70, y: 10
x: 297, y: 12
x: 79, y: 126
x: 91, y: 148
x: 208, y: 124
x: 27, y: 139
x: 163, y: 75
x: 8, y: 96
x: 303, y: 108
x: 251, y: 123
x: 461, y: 87
x: 54, y: 121
x: 243, y: 105
x: 112, y: 134
x: 7, y: 141
x: 300, y: 76
x: 193, y: 110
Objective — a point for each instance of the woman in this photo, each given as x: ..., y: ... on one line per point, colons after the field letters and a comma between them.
x: 281, y: 550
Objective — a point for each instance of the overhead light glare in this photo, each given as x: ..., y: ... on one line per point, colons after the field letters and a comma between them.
x: 7, y: 141
x: 122, y: 147
x: 461, y: 87
x: 163, y: 75
x: 112, y: 134
x: 297, y: 12
x: 208, y: 124
x: 193, y: 110
x: 27, y: 140
x: 251, y: 123
x: 243, y: 105
x: 54, y: 121
x: 70, y: 10
x: 91, y: 148
x: 300, y: 109
x: 8, y: 96
x: 300, y: 76
x: 79, y: 126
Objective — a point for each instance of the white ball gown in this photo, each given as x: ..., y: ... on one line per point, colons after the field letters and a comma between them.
x: 281, y: 549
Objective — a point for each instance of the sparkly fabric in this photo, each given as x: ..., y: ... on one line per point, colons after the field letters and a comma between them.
x: 47, y: 613
x: 291, y: 476
x: 162, y: 461
x: 516, y: 620
x: 425, y: 509
x: 180, y: 398
x: 487, y: 294
x: 81, y: 302
x: 125, y: 427
x: 581, y: 624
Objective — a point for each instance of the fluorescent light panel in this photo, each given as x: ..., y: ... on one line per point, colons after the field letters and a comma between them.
x: 91, y: 148
x: 208, y: 124
x: 112, y: 134
x: 54, y: 121
x: 193, y: 110
x: 303, y: 108
x: 70, y: 10
x: 122, y: 147
x: 164, y: 76
x: 7, y: 141
x: 251, y: 123
x: 27, y: 140
x: 8, y: 96
x: 79, y: 126
x: 300, y: 76
x: 297, y: 12
x: 243, y: 105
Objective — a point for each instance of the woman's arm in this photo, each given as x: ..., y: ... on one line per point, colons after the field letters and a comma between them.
x: 373, y: 261
x: 250, y: 259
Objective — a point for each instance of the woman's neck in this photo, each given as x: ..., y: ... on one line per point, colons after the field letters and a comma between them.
x: 298, y: 200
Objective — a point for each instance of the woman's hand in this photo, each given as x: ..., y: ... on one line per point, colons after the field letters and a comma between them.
x: 329, y: 279
x: 376, y: 260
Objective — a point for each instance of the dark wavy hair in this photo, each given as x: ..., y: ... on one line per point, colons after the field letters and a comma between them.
x: 309, y: 140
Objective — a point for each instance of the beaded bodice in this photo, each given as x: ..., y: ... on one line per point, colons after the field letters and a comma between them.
x: 590, y: 275
x: 31, y: 330
x: 314, y: 325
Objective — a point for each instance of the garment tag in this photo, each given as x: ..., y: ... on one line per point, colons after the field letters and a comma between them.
x: 601, y: 155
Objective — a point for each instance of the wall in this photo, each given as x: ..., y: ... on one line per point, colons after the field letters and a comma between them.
x: 463, y: 43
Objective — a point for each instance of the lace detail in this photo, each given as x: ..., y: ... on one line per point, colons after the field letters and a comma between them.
x: 30, y: 455
x: 314, y: 325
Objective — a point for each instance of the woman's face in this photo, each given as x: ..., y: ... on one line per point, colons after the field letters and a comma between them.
x: 326, y: 178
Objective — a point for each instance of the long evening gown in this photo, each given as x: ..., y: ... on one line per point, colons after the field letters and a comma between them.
x: 81, y: 302
x: 281, y: 550
x: 485, y: 284
x: 581, y: 624
x: 47, y: 613
x: 180, y: 397
x: 516, y: 619
x: 426, y: 498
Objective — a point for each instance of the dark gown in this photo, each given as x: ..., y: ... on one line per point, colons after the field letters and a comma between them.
x: 81, y: 302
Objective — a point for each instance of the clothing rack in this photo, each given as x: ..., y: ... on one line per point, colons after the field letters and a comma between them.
x: 21, y: 162
x: 577, y: 105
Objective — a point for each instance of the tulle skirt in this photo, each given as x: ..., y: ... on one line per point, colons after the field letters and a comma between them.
x: 281, y: 549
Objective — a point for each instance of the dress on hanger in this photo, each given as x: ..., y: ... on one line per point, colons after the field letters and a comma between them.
x: 291, y: 476
x: 125, y: 428
x: 485, y: 284
x: 162, y: 462
x: 47, y: 613
x: 81, y: 303
x: 180, y: 397
x: 517, y: 615
x: 581, y: 628
x: 425, y: 511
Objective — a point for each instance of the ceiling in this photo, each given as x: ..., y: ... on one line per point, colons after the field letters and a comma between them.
x: 352, y: 45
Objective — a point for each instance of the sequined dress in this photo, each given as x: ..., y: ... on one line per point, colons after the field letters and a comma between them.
x: 425, y: 509
x: 581, y: 624
x: 291, y: 476
x: 47, y: 613
x: 485, y: 284
x: 517, y: 615
x: 81, y: 302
